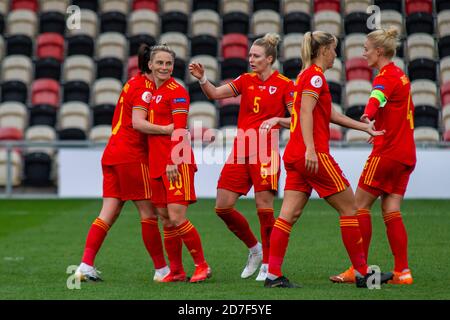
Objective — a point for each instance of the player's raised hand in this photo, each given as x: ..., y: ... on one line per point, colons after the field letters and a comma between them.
x: 196, y: 69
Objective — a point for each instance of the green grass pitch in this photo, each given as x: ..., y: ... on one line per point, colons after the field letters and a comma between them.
x: 39, y: 239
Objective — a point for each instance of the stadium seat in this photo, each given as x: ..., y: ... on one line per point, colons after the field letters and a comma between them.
x: 195, y: 92
x: 202, y: 114
x: 79, y: 68
x: 296, y: 6
x: 351, y: 6
x: 242, y: 6
x: 100, y: 133
x: 357, y: 68
x: 19, y: 44
x: 145, y: 4
x: 354, y: 45
x: 138, y: 39
x: 424, y: 92
x: 17, y: 67
x: 113, y: 21
x: 399, y: 63
x: 86, y: 4
x: 414, y: 6
x: 204, y: 44
x: 179, y: 69
x: 266, y: 5
x: 80, y: 45
x: 38, y: 167
x: 392, y: 18
x: 103, y: 114
x: 424, y: 134
x: 10, y: 133
x: 234, y: 45
x: 426, y: 116
x: 446, y: 117
x: 45, y: 91
x: 132, y: 66
x: 13, y: 115
x: 121, y: 6
x: 174, y: 21
x: 40, y: 133
x: 327, y: 5
x: 446, y: 135
x: 335, y: 132
x: 420, y: 45
x: 420, y: 22
x: 296, y: 22
x: 178, y: 42
x: 106, y: 91
x: 50, y: 52
x: 206, y: 4
x: 335, y: 91
x: 443, y: 23
x: 357, y: 92
x: 76, y: 91
x: 52, y: 21
x: 329, y: 21
x: 235, y: 22
x: 74, y: 121
x: 355, y: 112
x: 444, y: 46
x: 233, y: 67
x: 265, y: 21
x: 59, y: 6
x: 228, y: 115
x: 337, y: 108
x: 422, y: 69
x: 445, y: 93
x: 335, y: 73
x: 47, y: 68
x: 356, y: 22
x: 111, y: 44
x: 144, y: 22
x: 205, y: 22
x: 14, y: 91
x: 291, y: 46
x: 16, y: 172
x: 389, y: 5
x: 22, y: 22
x: 181, y: 6
x: 88, y: 24
x: 292, y: 67
x: 211, y: 66
x: 442, y: 5
x: 356, y: 136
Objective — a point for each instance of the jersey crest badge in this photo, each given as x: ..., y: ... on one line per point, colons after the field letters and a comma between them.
x: 316, y: 81
x: 158, y: 98
x: 146, y: 96
x: 272, y: 89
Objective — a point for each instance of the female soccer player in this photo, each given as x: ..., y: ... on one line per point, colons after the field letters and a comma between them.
x: 171, y: 162
x: 126, y: 175
x: 266, y: 96
x: 393, y: 158
x: 309, y: 164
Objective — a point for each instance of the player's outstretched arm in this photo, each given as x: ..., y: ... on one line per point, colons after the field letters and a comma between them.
x: 141, y: 124
x: 348, y: 122
x: 209, y: 89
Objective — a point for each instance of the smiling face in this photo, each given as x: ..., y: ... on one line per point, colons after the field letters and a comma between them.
x: 371, y: 53
x: 258, y: 60
x: 162, y: 65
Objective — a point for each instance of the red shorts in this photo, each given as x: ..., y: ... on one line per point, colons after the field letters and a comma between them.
x: 240, y: 178
x: 383, y: 175
x: 128, y: 181
x: 181, y: 192
x: 327, y: 181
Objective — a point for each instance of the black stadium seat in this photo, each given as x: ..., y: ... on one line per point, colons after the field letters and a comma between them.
x: 266, y: 5
x: 103, y: 114
x: 179, y: 70
x: 442, y: 5
x: 356, y: 22
x: 419, y: 22
x: 52, y: 21
x: 86, y: 4
x: 422, y: 69
x: 426, y: 116
x: 80, y: 44
x: 136, y: 40
x: 38, y: 166
x: 228, y: 115
x: 14, y: 91
x: 110, y: 67
x: 235, y: 22
x: 233, y: 67
x: 355, y: 112
x: 47, y: 68
x: 335, y: 91
x: 292, y: 67
x: 174, y: 21
x: 72, y: 134
x: 76, y: 91
x: 444, y: 47
x: 196, y: 93
x: 19, y: 44
x: 206, y: 4
x: 113, y: 21
x: 389, y: 5
x: 43, y: 114
x: 204, y: 44
x: 297, y: 22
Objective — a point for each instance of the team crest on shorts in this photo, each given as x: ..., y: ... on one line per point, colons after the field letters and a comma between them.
x: 272, y: 89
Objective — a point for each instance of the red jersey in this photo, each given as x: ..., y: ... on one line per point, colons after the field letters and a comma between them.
x: 261, y: 100
x: 127, y: 145
x: 396, y: 116
x: 311, y: 82
x: 169, y: 104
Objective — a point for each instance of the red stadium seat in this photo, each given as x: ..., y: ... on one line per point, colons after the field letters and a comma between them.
x: 50, y: 45
x: 445, y: 93
x: 145, y: 4
x: 446, y: 135
x: 335, y: 134
x: 234, y: 45
x: 357, y: 68
x: 419, y: 6
x: 330, y: 5
x: 133, y: 67
x: 45, y: 92
x: 8, y: 133
x: 229, y: 101
x: 32, y: 5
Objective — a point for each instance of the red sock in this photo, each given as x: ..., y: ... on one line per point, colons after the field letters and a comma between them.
x: 192, y: 241
x: 266, y: 221
x: 152, y: 241
x: 279, y: 239
x: 351, y: 236
x: 365, y: 226
x: 237, y: 223
x: 174, y: 246
x: 398, y: 239
x: 94, y: 240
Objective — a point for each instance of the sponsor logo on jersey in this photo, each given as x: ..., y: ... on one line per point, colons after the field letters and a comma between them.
x: 146, y: 96
x: 262, y: 88
x: 158, y: 98
x: 272, y: 89
x: 316, y: 82
x: 179, y: 100
x: 178, y: 193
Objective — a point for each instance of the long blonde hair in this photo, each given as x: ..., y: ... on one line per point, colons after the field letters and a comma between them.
x: 386, y: 39
x: 269, y: 42
x: 312, y: 42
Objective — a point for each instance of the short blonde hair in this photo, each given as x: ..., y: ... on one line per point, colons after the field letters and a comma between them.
x: 312, y: 42
x: 269, y: 42
x: 386, y: 39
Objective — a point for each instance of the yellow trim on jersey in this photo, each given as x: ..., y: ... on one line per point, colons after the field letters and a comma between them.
x: 274, y: 166
x: 140, y: 108
x: 282, y: 77
x: 340, y: 185
x: 172, y: 86
x: 187, y: 180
